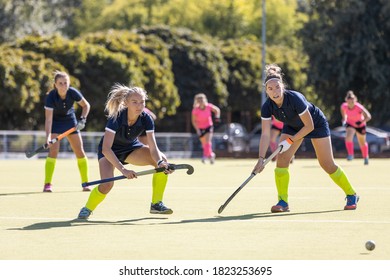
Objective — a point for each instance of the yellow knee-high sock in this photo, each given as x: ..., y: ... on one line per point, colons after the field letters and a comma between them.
x: 159, y: 183
x: 342, y: 181
x: 82, y: 163
x: 49, y: 169
x: 282, y: 179
x: 95, y: 198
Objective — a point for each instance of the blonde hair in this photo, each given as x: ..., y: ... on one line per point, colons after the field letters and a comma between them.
x: 60, y: 74
x: 117, y: 97
x: 197, y: 96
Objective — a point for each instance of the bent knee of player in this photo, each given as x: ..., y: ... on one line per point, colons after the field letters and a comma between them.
x: 329, y: 166
x: 283, y: 160
x: 105, y: 188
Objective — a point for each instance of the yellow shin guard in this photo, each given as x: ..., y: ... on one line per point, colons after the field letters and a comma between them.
x: 159, y: 183
x: 95, y: 198
x: 342, y: 181
x: 282, y: 179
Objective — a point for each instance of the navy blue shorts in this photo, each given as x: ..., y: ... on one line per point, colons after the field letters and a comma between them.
x: 318, y: 132
x: 121, y: 153
x: 59, y: 127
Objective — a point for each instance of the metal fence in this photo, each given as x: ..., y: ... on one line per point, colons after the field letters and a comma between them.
x: 14, y: 144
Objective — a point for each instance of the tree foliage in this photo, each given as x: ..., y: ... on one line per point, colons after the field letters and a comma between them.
x: 245, y: 72
x: 223, y: 19
x: 347, y: 42
x: 175, y: 49
x: 171, y: 64
x: 25, y: 79
x: 151, y: 56
x: 96, y: 68
x: 19, y: 18
x: 197, y: 64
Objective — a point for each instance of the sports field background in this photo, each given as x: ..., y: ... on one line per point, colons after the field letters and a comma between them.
x: 37, y: 226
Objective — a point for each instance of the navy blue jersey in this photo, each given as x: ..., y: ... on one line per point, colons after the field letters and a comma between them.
x: 64, y: 116
x: 63, y: 109
x: 126, y: 137
x: 294, y: 105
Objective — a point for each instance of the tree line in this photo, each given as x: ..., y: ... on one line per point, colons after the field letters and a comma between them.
x: 325, y: 48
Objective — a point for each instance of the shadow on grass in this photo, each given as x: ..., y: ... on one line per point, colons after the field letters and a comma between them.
x: 37, y: 192
x: 250, y: 217
x: 77, y: 222
x: 216, y: 219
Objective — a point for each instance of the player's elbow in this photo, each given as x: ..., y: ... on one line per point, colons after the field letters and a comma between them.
x: 310, y: 127
x: 106, y: 150
x: 87, y: 105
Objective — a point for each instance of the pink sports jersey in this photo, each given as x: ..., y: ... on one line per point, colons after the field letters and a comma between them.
x: 203, y: 117
x: 278, y: 124
x: 353, y: 115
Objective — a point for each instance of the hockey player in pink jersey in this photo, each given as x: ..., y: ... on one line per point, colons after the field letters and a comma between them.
x: 202, y: 122
x: 354, y: 118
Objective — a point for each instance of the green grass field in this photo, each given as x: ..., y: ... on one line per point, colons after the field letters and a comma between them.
x: 38, y: 226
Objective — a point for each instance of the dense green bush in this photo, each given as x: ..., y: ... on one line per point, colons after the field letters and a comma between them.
x: 197, y: 64
x: 25, y: 79
x: 96, y: 68
x: 171, y: 64
x: 151, y: 57
x: 244, y: 84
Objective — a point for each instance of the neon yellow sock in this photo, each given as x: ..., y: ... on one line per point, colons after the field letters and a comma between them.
x: 342, y: 181
x: 95, y: 198
x: 282, y: 179
x: 159, y: 183
x: 49, y: 169
x: 82, y: 163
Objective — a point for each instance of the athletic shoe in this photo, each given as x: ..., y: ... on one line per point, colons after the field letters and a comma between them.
x: 366, y: 161
x: 212, y: 158
x: 160, y: 208
x: 352, y: 201
x: 282, y: 206
x: 47, y: 188
x: 84, y: 213
x: 86, y: 189
x: 204, y: 159
x: 349, y: 157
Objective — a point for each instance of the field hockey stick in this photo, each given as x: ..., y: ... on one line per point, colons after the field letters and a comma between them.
x: 30, y: 154
x: 274, y: 154
x: 189, y: 168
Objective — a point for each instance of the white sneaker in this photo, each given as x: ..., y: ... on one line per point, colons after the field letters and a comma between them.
x: 212, y: 158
